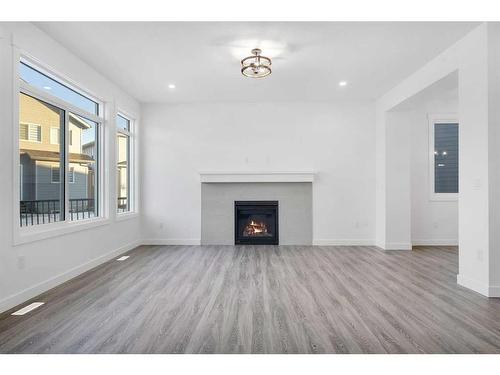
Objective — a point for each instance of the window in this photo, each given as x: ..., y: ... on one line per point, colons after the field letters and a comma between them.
x: 54, y: 136
x: 71, y: 175
x: 30, y: 132
x: 59, y: 178
x: 34, y: 77
x: 23, y: 132
x: 444, y: 157
x: 55, y: 175
x: 123, y: 145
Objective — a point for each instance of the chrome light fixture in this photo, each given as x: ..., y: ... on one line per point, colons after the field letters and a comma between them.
x: 256, y: 66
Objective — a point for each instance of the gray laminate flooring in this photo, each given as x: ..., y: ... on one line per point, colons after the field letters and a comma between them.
x: 262, y: 299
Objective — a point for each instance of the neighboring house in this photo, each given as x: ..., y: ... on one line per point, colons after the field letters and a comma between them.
x: 39, y: 143
x: 122, y: 162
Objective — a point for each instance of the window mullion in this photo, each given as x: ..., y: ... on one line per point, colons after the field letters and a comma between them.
x: 66, y: 165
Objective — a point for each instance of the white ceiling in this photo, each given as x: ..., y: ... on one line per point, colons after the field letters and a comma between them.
x: 309, y: 58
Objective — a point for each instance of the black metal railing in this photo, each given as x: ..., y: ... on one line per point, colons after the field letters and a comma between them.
x: 81, y: 209
x: 49, y: 210
x: 122, y: 204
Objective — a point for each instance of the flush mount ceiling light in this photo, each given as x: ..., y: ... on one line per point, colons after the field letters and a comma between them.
x: 256, y: 66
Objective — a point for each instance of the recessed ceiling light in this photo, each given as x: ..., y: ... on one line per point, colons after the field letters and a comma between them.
x: 47, y: 87
x: 343, y: 83
x: 171, y: 86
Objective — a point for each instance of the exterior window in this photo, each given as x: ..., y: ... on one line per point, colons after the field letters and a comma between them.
x: 58, y: 181
x: 54, y: 136
x: 444, y: 158
x: 123, y: 182
x: 71, y: 175
x: 30, y: 132
x: 56, y: 174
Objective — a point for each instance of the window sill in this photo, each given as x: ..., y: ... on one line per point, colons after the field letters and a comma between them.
x: 44, y: 231
x: 122, y: 216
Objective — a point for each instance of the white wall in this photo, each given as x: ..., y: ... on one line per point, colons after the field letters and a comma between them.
x: 432, y: 222
x: 29, y: 269
x: 494, y: 151
x: 333, y: 139
x: 470, y: 56
x: 398, y: 181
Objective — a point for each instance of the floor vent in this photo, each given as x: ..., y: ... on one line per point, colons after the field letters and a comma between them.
x: 125, y: 257
x: 28, y: 308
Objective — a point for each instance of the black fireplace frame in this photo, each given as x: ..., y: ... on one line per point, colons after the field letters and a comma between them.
x: 257, y: 240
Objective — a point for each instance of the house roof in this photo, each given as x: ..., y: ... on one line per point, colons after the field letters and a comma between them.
x: 78, y: 121
x: 55, y: 156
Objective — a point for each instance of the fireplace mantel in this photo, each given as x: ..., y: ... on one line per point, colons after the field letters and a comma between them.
x: 239, y: 177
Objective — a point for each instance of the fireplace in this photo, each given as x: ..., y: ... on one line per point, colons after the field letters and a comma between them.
x: 256, y: 222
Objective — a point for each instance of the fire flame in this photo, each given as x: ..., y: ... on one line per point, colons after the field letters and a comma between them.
x: 255, y: 228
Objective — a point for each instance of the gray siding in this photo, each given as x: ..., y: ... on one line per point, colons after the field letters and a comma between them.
x: 78, y: 189
x: 45, y: 189
x: 28, y: 178
x: 48, y: 190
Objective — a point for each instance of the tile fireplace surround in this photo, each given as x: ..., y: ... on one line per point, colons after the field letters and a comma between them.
x: 293, y: 191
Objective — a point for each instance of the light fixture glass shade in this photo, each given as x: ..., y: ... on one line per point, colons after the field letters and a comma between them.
x: 256, y: 66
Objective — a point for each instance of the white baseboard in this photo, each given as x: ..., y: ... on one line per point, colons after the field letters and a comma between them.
x: 316, y: 242
x: 475, y: 285
x: 35, y: 290
x: 342, y: 242
x: 397, y: 246
x: 435, y: 242
x: 172, y: 241
x: 494, y: 291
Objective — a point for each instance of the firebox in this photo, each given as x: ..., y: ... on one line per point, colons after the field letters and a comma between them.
x: 256, y: 222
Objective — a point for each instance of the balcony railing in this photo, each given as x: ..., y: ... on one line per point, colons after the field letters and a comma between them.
x: 48, y: 211
x: 122, y: 204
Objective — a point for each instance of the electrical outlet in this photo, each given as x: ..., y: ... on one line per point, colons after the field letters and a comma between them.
x: 479, y: 255
x: 160, y: 225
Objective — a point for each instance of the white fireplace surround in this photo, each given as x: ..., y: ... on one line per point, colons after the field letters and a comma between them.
x: 248, y: 176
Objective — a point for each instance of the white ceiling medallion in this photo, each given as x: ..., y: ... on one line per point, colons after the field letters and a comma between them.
x: 256, y: 66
